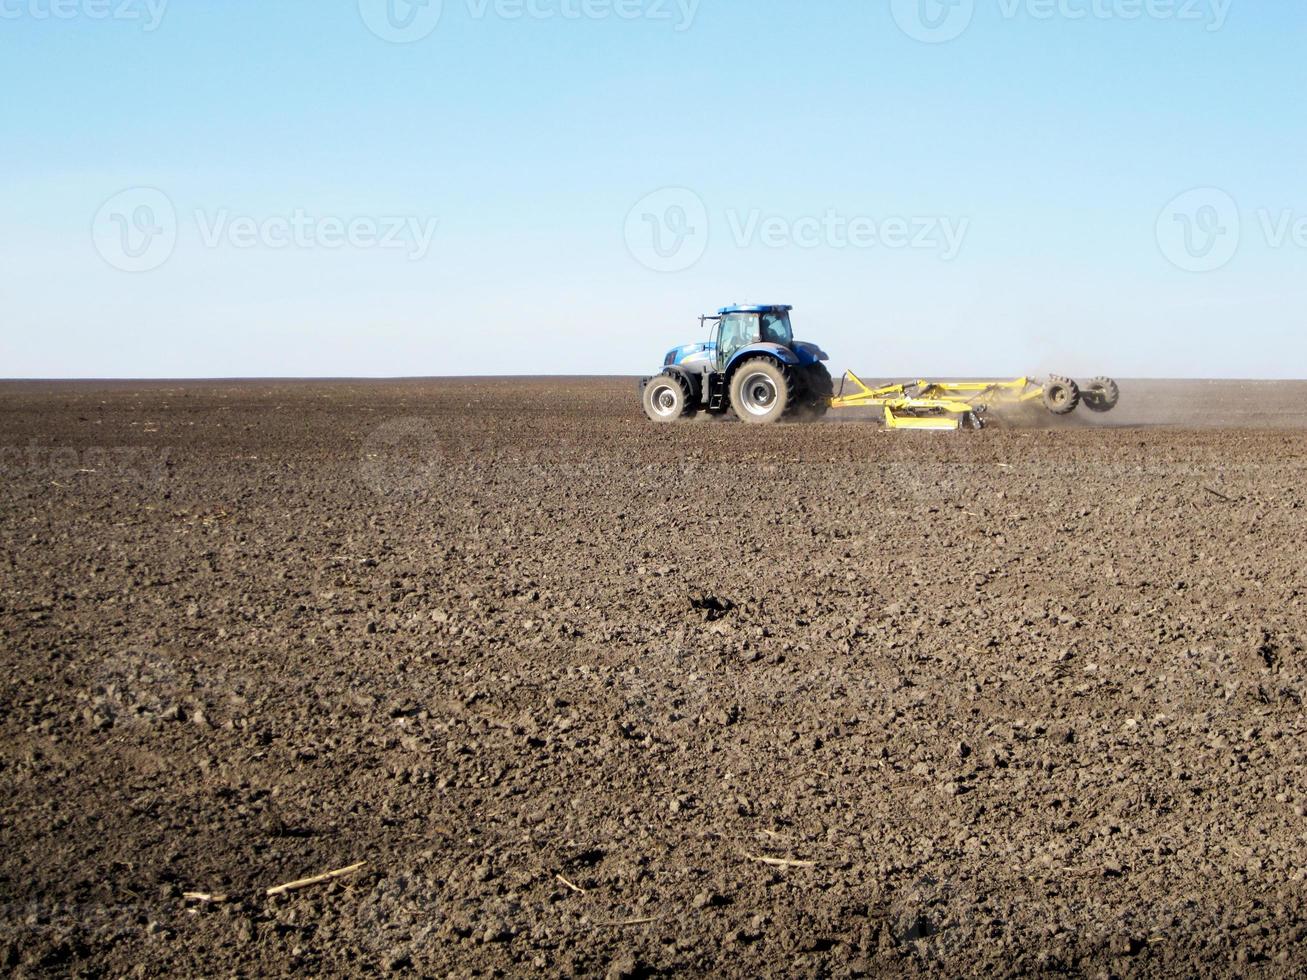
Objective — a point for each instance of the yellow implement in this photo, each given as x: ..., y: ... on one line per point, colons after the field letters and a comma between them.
x: 940, y: 405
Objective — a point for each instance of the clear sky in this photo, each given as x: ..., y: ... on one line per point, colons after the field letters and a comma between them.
x: 371, y: 187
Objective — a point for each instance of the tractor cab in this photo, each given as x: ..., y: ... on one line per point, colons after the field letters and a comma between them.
x: 741, y: 327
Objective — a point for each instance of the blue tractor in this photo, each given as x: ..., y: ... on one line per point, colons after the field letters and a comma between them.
x: 752, y: 366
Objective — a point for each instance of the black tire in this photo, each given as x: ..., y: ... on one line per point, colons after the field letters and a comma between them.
x: 667, y: 398
x: 1061, y: 395
x: 1101, y: 395
x: 762, y: 391
x: 818, y: 388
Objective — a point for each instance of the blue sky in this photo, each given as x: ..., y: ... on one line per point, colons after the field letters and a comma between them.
x: 355, y: 187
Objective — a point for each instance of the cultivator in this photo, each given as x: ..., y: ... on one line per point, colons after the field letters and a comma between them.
x: 962, y: 404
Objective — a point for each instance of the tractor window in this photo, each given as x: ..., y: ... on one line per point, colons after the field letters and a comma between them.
x: 776, y: 329
x: 738, y: 330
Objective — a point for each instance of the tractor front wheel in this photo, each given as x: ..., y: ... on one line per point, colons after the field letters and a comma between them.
x: 761, y: 391
x: 667, y: 398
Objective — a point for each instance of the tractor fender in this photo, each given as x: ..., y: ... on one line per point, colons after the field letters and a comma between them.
x: 782, y: 354
x: 810, y: 353
x: 692, y: 378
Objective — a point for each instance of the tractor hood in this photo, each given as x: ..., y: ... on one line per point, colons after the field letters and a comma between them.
x: 679, y: 355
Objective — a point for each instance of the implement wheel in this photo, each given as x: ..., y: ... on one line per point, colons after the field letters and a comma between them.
x: 1101, y: 395
x: 1061, y: 395
x: 761, y: 391
x: 667, y: 398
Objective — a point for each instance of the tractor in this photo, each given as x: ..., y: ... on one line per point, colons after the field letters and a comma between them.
x: 752, y: 365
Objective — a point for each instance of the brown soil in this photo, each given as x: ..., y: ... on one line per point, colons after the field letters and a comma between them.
x: 592, y: 696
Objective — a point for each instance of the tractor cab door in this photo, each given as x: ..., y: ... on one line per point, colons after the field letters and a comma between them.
x: 776, y: 329
x: 735, y: 330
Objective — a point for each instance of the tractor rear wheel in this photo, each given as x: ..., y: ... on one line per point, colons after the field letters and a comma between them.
x: 1061, y: 395
x: 762, y: 391
x: 1101, y: 395
x: 667, y: 398
x: 818, y: 390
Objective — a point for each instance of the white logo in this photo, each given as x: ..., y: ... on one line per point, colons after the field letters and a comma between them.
x: 149, y: 12
x: 1200, y: 230
x: 136, y: 230
x: 1213, y: 13
x: 404, y: 457
x: 401, y: 21
x: 667, y: 231
x: 933, y: 21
